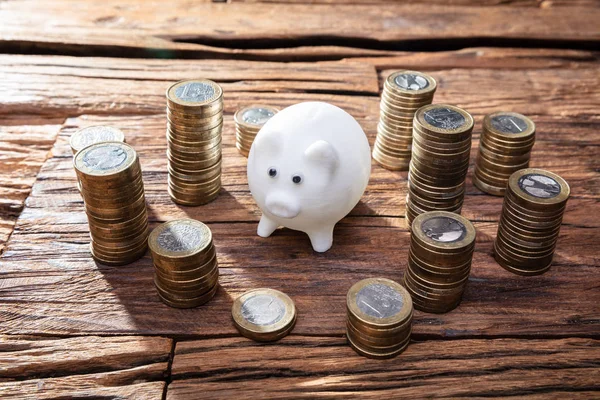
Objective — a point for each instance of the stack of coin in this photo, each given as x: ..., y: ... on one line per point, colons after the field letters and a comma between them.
x: 264, y: 315
x: 186, y: 272
x: 439, y: 261
x: 379, y: 318
x: 504, y: 148
x: 440, y: 160
x: 248, y: 122
x: 404, y: 92
x: 194, y: 125
x: 113, y: 192
x: 95, y: 134
x: 532, y: 212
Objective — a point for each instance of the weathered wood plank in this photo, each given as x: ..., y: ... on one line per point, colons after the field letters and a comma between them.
x: 235, y: 75
x: 533, y: 92
x: 122, y: 385
x: 485, y: 57
x: 158, y: 29
x: 26, y: 357
x: 23, y: 149
x: 321, y: 367
x: 128, y: 367
x: 510, y: 3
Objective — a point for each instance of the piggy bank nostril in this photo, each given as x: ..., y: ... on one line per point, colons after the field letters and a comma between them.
x: 282, y: 208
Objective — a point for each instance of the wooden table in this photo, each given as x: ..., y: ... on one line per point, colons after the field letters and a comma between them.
x: 71, y: 327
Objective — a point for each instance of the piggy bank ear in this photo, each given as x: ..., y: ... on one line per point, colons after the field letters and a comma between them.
x: 322, y: 154
x: 268, y: 142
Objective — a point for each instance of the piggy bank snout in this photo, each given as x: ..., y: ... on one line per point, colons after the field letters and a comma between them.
x: 282, y: 205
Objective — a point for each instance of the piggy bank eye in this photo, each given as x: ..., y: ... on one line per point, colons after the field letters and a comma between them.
x: 297, y: 179
x: 272, y: 171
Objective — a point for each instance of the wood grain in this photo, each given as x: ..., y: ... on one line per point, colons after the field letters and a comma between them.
x: 321, y: 367
x: 122, y: 385
x: 128, y: 367
x: 161, y: 30
x: 507, y: 3
x: 24, y: 146
x: 551, y: 92
x: 24, y: 357
x: 485, y: 58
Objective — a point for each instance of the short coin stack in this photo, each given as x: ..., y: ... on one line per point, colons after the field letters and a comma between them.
x: 248, y: 122
x: 379, y: 318
x: 264, y: 315
x: 110, y: 179
x: 439, y: 261
x: 532, y: 212
x: 504, y: 148
x: 186, y: 272
x: 440, y: 160
x: 404, y: 92
x: 194, y: 125
x: 95, y: 134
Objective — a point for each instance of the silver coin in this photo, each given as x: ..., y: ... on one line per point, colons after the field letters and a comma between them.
x: 444, y: 229
x: 508, y: 124
x: 539, y: 186
x: 411, y: 82
x: 444, y: 118
x: 263, y: 309
x: 195, y: 92
x: 257, y: 116
x: 104, y: 158
x: 180, y: 238
x: 95, y: 134
x: 379, y: 301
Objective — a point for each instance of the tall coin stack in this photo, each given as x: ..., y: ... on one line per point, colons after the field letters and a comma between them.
x: 532, y: 212
x: 439, y: 261
x: 379, y: 318
x: 248, y: 122
x: 404, y: 92
x: 440, y: 160
x: 95, y: 134
x: 504, y: 148
x: 186, y: 272
x: 110, y: 178
x: 194, y: 125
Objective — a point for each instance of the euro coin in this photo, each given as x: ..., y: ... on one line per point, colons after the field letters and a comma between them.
x: 264, y: 314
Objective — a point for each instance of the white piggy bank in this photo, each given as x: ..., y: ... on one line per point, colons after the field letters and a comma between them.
x: 308, y: 167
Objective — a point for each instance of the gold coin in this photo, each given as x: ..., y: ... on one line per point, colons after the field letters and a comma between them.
x: 261, y: 314
x: 369, y: 353
x: 105, y: 159
x: 411, y: 83
x: 379, y: 303
x: 254, y: 116
x: 175, y: 302
x: 444, y: 119
x: 538, y: 189
x: 193, y: 94
x: 179, y: 239
x: 198, y: 199
x: 95, y: 134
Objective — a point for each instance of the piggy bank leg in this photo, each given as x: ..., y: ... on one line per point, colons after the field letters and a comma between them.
x: 266, y: 226
x: 321, y: 240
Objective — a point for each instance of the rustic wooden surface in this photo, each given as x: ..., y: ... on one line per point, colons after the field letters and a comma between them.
x: 70, y: 328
